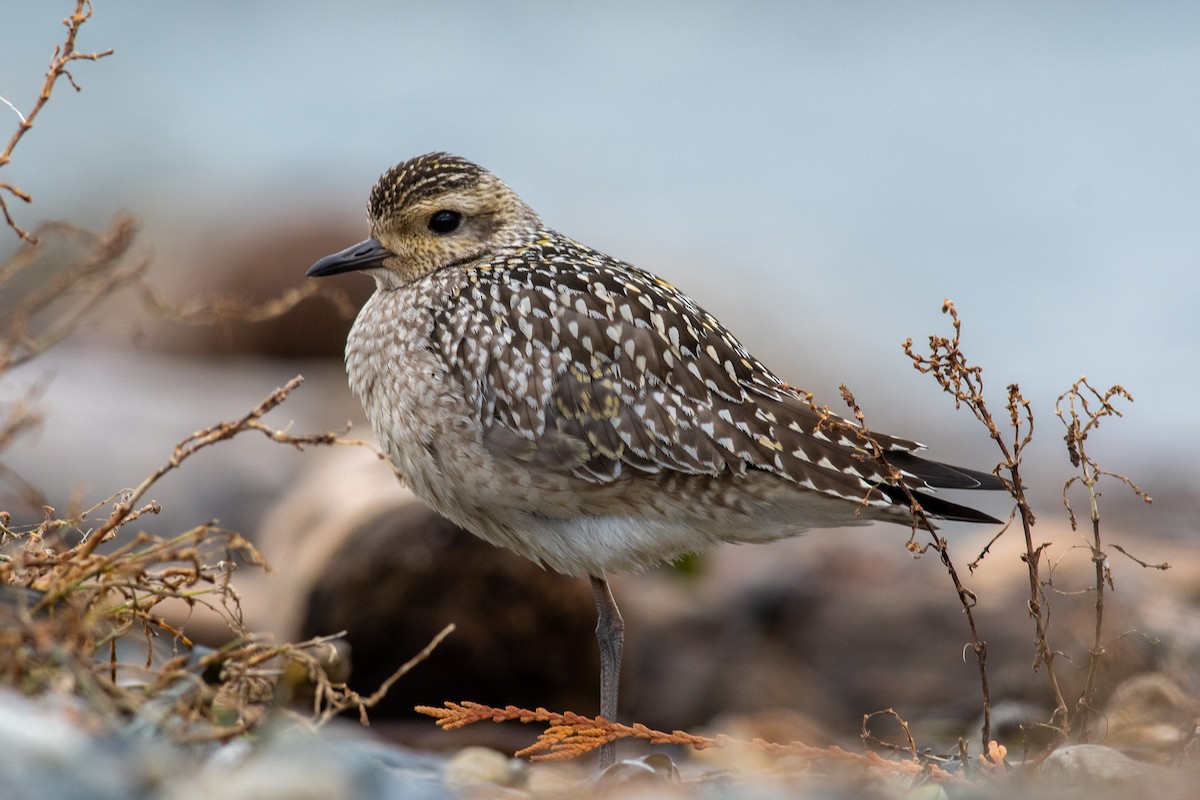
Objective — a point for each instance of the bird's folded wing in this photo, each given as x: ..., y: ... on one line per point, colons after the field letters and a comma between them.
x: 635, y: 377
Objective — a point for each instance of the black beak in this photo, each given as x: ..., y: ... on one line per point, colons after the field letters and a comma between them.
x: 364, y: 255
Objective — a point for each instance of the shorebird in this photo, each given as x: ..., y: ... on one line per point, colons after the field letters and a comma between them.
x: 586, y: 413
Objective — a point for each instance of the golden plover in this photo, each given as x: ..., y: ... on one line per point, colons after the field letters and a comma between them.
x: 582, y: 411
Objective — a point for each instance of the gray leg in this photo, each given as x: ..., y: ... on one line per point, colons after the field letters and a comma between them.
x: 610, y: 633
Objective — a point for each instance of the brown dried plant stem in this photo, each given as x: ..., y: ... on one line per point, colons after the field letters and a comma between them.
x: 964, y: 382
x: 1074, y: 438
x: 868, y: 736
x: 63, y: 55
x: 354, y: 700
x: 1081, y: 417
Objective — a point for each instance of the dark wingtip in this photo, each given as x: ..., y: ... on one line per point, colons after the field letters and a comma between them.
x: 937, y: 475
x: 937, y: 508
x: 942, y: 476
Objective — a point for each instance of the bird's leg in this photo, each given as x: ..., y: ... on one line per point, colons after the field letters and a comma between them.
x: 610, y: 633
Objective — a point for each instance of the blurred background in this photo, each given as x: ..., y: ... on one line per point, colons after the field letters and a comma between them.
x: 820, y: 176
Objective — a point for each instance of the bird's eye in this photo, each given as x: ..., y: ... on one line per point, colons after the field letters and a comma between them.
x: 444, y: 221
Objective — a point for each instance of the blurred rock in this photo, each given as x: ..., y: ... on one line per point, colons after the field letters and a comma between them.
x: 335, y: 762
x: 1151, y: 718
x: 53, y: 747
x: 1096, y: 765
x: 477, y: 766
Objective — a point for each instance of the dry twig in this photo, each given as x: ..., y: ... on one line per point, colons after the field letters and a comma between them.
x: 206, y: 437
x: 342, y: 698
x: 64, y: 54
x: 1081, y: 414
x: 871, y: 738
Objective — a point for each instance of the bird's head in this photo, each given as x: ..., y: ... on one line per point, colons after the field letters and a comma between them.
x: 429, y: 213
